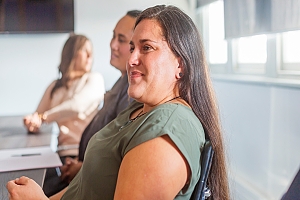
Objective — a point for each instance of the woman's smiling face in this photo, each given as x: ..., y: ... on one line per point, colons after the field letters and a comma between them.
x: 152, y: 67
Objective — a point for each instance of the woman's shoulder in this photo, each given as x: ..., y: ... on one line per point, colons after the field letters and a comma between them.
x: 173, y: 109
x: 52, y: 84
x: 176, y: 116
x: 93, y: 78
x: 93, y: 75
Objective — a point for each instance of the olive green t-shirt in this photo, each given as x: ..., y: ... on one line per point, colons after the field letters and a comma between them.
x: 106, y: 149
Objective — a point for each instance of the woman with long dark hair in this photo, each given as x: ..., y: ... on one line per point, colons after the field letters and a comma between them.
x: 152, y: 149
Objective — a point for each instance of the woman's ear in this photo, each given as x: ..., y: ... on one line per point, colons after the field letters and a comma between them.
x: 179, y: 71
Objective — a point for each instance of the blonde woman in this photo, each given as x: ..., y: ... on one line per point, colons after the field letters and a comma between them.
x: 72, y: 100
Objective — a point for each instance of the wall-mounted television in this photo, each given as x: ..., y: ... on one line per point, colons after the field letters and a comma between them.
x: 36, y: 16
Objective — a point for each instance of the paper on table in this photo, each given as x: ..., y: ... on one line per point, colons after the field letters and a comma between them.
x: 28, y: 158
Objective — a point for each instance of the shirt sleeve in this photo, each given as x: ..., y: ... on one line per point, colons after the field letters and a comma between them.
x: 45, y: 103
x: 84, y: 101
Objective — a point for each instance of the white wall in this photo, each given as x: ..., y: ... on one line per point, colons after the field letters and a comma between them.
x: 28, y: 62
x: 261, y: 123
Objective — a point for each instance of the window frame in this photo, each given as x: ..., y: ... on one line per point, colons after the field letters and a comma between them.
x: 285, y: 69
x: 273, y: 68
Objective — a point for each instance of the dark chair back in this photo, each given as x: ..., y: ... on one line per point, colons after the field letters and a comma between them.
x: 201, y: 190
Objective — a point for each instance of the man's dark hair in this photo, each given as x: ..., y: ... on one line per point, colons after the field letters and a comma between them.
x: 133, y: 13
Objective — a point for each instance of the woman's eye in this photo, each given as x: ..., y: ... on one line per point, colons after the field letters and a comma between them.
x: 146, y: 48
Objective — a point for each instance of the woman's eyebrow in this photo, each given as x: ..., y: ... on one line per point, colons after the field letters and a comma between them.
x: 143, y: 41
x: 146, y: 40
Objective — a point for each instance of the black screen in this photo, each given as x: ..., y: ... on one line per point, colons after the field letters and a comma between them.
x: 36, y: 16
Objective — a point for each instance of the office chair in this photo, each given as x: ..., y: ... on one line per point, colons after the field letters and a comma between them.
x: 293, y: 192
x: 201, y: 190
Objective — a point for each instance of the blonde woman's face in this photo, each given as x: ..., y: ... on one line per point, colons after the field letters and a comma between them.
x: 84, y: 58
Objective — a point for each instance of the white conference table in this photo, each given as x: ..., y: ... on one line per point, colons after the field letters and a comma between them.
x: 14, y: 135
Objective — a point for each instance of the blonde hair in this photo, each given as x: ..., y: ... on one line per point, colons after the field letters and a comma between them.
x: 66, y: 66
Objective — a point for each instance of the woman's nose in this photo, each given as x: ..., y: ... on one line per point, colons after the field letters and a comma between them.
x: 133, y: 59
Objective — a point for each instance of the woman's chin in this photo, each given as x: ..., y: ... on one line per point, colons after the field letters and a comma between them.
x: 134, y: 95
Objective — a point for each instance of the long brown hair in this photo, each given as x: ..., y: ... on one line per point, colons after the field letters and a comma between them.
x: 195, y: 86
x: 66, y: 66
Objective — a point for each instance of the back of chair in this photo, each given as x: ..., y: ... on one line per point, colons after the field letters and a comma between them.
x: 201, y: 190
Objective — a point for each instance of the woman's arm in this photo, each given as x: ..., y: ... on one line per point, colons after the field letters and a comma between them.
x: 34, y: 121
x: 45, y: 102
x: 152, y: 170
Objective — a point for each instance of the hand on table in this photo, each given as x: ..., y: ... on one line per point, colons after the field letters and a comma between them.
x: 33, y: 122
x: 24, y: 188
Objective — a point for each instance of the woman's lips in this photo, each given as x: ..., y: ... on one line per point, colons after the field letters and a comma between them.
x: 135, y: 74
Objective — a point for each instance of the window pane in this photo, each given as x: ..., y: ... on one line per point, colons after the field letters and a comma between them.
x: 217, y: 45
x: 252, y: 49
x: 291, y: 44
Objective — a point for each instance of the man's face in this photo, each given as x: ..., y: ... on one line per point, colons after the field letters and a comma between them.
x: 119, y: 44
